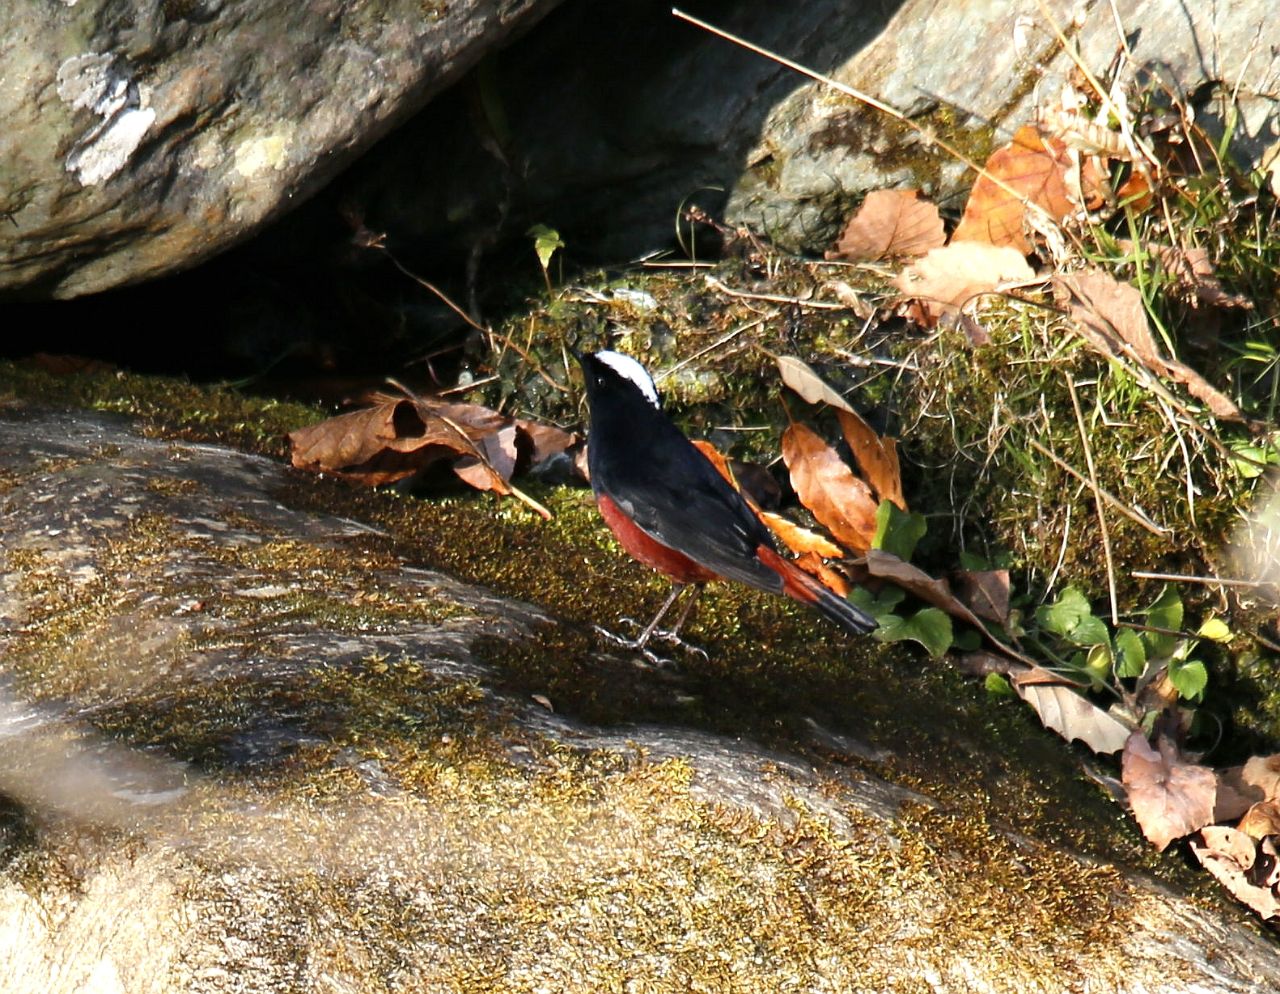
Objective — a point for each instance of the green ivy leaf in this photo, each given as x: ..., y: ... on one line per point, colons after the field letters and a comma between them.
x: 1131, y: 654
x: 1090, y: 630
x: 897, y: 531
x: 929, y: 626
x: 1063, y: 615
x: 1166, y: 612
x: 545, y: 243
x: 1215, y: 630
x: 1189, y: 678
x: 880, y: 606
x: 998, y: 686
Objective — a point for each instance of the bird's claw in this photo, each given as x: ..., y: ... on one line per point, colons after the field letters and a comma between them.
x: 642, y: 647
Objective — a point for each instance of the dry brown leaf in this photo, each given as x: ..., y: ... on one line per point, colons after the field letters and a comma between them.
x: 493, y: 464
x: 1170, y: 797
x: 986, y: 592
x: 797, y: 538
x: 877, y: 457
x: 811, y: 562
x: 543, y: 440
x: 1193, y: 270
x: 1261, y: 820
x: 1234, y: 796
x: 1111, y: 317
x: 890, y: 223
x: 1230, y: 855
x: 827, y: 487
x: 1033, y: 167
x: 400, y: 437
x: 947, y: 278
x: 376, y: 445
x: 1263, y: 772
x: 799, y: 376
x: 1070, y: 714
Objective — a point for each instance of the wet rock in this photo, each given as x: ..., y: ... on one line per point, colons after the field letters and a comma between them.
x: 247, y: 747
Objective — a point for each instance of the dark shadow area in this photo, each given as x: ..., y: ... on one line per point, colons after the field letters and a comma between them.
x: 602, y: 122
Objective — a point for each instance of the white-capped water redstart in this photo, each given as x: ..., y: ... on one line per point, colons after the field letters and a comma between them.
x: 671, y: 509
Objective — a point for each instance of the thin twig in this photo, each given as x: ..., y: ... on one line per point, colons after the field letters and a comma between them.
x: 727, y: 337
x: 489, y: 333
x: 1209, y: 581
x: 1134, y: 515
x: 1097, y: 498
x: 774, y: 298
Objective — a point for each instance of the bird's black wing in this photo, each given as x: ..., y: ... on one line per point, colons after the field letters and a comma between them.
x: 705, y: 518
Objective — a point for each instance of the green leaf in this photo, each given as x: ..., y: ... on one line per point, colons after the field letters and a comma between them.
x: 1131, y: 654
x: 1189, y: 678
x: 1063, y: 615
x: 1090, y: 630
x: 897, y: 531
x: 545, y: 243
x: 930, y: 627
x: 1166, y: 612
x: 880, y: 606
x: 1098, y: 664
x: 1215, y: 630
x: 973, y: 561
x: 998, y: 686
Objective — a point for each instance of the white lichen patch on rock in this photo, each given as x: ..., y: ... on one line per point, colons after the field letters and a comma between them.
x: 100, y: 83
x: 261, y: 153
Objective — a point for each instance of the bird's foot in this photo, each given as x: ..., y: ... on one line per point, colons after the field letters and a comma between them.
x: 640, y: 644
x: 674, y: 640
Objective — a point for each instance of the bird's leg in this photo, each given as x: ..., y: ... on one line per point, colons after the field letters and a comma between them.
x: 676, y: 590
x: 688, y: 609
x: 651, y: 630
x: 672, y: 635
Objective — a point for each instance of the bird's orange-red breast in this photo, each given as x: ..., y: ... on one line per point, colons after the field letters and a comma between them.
x: 668, y: 505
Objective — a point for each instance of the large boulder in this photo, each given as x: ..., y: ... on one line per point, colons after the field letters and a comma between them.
x: 141, y: 137
x: 247, y: 745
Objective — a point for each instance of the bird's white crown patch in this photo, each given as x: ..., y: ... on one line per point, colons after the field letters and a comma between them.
x: 633, y: 372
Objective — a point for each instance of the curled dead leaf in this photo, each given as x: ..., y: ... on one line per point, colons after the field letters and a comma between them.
x: 1170, y: 797
x: 890, y: 223
x: 1232, y: 856
x: 1261, y: 820
x: 1070, y: 714
x: 877, y: 457
x: 826, y: 486
x: 1111, y: 317
x: 1031, y: 169
x: 946, y: 279
x: 985, y: 592
x: 1263, y: 772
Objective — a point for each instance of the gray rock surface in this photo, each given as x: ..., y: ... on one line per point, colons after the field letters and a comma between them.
x: 139, y: 137
x: 245, y: 747
x: 988, y: 66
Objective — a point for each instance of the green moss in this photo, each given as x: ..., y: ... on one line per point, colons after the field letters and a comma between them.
x: 170, y: 408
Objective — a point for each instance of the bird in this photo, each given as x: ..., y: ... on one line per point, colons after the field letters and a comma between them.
x: 670, y: 508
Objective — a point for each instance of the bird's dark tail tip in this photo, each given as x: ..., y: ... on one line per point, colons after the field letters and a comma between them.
x: 847, y: 615
x: 799, y: 585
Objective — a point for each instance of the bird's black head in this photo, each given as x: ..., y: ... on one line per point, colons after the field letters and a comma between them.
x: 612, y: 374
